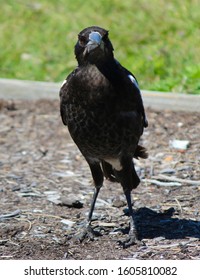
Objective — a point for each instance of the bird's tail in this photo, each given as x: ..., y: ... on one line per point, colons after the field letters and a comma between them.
x: 140, y: 152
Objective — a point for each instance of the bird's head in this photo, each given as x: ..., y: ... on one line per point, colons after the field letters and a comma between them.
x: 93, y: 45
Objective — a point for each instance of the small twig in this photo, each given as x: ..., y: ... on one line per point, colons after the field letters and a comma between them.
x: 26, y: 220
x: 165, y: 246
x: 43, y: 215
x: 161, y: 184
x: 175, y: 179
x: 180, y: 207
x: 13, y: 243
x: 10, y: 215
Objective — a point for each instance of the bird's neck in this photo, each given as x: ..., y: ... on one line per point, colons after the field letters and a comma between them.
x: 110, y: 69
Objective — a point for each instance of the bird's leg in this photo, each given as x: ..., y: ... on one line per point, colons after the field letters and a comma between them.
x: 96, y: 192
x: 132, y: 239
x: 98, y: 180
x: 129, y: 180
x: 87, y: 230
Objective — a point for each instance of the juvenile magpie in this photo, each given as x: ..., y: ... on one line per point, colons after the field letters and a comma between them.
x: 101, y: 103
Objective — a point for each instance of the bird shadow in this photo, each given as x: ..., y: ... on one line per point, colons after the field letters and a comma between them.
x: 151, y: 224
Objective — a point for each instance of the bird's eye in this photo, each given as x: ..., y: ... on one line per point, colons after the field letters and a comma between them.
x: 82, y: 40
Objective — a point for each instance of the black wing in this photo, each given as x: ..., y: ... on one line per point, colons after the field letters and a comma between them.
x: 133, y: 87
x: 124, y: 81
x: 64, y: 98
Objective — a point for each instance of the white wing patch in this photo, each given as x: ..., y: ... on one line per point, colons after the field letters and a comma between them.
x: 64, y: 82
x: 133, y: 80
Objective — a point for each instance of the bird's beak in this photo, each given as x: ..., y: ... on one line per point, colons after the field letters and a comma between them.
x: 94, y: 42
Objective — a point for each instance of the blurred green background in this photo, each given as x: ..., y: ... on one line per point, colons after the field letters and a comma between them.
x: 158, y: 40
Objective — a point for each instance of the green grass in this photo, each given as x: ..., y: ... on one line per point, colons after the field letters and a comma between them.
x: 158, y: 40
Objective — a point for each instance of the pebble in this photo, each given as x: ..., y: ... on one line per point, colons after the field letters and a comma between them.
x: 53, y: 196
x: 54, y: 200
x: 159, y: 238
x: 102, y: 224
x: 67, y: 173
x: 119, y: 203
x: 66, y: 160
x: 180, y: 124
x: 68, y: 223
x: 179, y: 144
x: 114, y: 233
x: 37, y: 211
x: 71, y: 202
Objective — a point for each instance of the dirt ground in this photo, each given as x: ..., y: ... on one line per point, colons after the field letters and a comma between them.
x: 46, y: 189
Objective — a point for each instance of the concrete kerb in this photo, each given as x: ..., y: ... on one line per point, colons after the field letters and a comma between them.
x: 31, y: 90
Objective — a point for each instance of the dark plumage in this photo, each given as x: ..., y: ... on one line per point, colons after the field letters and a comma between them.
x: 101, y: 104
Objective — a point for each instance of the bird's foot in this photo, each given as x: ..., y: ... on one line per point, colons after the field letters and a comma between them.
x: 86, y: 232
x: 131, y: 240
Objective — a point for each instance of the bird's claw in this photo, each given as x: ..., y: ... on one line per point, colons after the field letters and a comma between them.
x: 86, y: 232
x: 131, y: 240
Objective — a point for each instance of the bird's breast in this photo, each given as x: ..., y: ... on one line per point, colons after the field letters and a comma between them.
x: 95, y: 119
x: 91, y: 82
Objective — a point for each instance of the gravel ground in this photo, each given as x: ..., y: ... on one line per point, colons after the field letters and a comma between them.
x: 46, y: 189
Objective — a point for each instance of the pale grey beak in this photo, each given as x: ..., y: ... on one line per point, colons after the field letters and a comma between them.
x: 95, y: 40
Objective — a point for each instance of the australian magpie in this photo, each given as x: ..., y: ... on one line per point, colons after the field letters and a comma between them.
x: 101, y: 103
